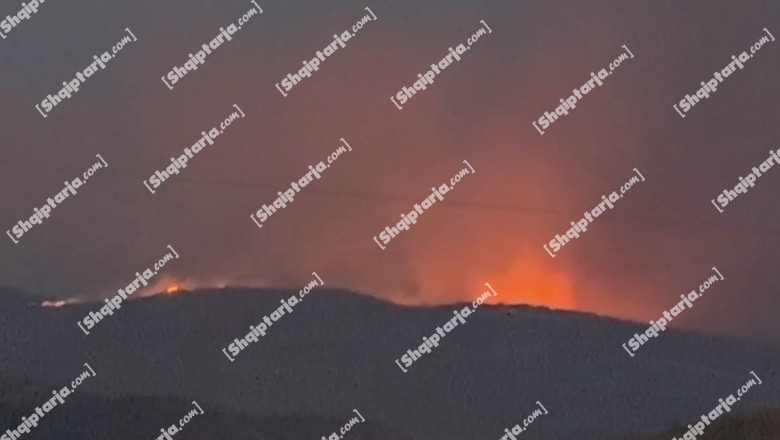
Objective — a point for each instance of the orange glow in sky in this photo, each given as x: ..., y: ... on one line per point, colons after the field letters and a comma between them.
x: 527, y: 282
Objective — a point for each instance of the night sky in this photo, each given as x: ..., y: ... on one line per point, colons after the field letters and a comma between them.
x: 661, y: 240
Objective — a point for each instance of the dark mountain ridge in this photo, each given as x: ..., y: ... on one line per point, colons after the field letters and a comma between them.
x: 336, y: 352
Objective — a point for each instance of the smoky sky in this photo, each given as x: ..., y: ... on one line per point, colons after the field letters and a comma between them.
x: 661, y: 240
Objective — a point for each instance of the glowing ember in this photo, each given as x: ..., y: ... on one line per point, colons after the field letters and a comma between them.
x: 173, y: 288
x: 54, y: 303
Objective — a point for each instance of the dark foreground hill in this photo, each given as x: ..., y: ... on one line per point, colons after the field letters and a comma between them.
x: 99, y: 418
x: 336, y: 352
x: 764, y: 425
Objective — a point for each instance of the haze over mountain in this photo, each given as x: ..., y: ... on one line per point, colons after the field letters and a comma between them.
x: 659, y: 241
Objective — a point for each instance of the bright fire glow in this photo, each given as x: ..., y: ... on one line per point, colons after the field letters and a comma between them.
x: 527, y: 282
x: 60, y: 303
x: 173, y: 288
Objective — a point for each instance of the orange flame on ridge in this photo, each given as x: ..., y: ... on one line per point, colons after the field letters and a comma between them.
x: 173, y: 288
x: 527, y: 282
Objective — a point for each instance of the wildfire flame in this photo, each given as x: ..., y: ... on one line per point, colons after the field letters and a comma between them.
x: 60, y: 303
x: 166, y: 285
x: 173, y: 288
x: 527, y: 282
